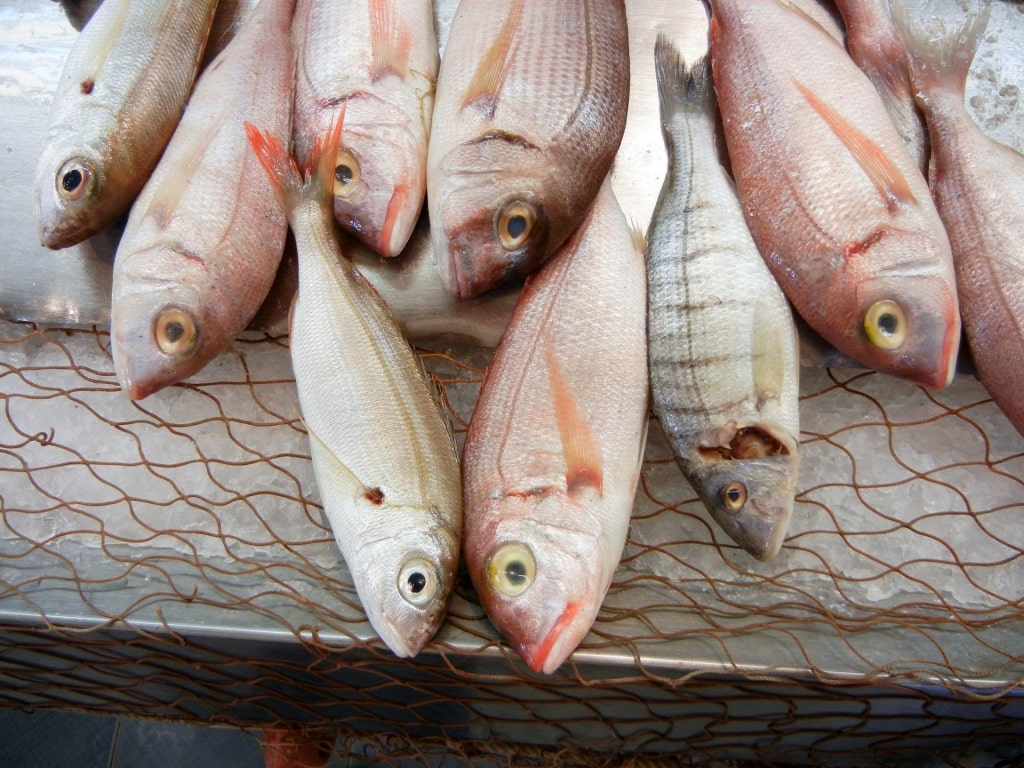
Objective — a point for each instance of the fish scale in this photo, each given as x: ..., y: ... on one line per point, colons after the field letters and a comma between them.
x: 722, y: 346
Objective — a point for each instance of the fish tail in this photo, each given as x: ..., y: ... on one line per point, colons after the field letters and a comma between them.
x: 293, y: 185
x: 940, y: 62
x: 682, y: 86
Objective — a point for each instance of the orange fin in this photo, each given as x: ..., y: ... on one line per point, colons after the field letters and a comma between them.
x: 492, y: 70
x: 389, y: 40
x: 888, y: 180
x: 279, y: 165
x: 582, y: 457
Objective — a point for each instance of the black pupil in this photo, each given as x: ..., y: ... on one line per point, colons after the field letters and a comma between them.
x: 71, y: 180
x: 516, y: 226
x: 174, y: 330
x: 416, y: 581
x: 733, y: 494
x: 343, y: 174
x: 515, y: 572
x: 888, y: 324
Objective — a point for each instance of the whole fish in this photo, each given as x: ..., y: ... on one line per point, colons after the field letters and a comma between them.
x: 723, y: 348
x: 553, y: 452
x: 835, y: 202
x: 378, y: 59
x: 531, y: 107
x: 383, y: 455
x: 120, y: 96
x: 205, y: 237
x: 879, y: 50
x: 978, y: 185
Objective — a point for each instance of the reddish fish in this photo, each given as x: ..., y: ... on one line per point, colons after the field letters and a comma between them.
x: 978, y: 186
x: 835, y: 202
x: 554, y: 447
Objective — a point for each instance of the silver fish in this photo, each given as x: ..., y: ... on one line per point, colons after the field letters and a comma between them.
x: 553, y: 453
x: 385, y: 461
x: 724, y: 353
x: 119, y: 98
x: 205, y: 237
x: 378, y: 59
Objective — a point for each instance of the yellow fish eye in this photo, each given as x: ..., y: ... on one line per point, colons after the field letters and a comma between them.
x: 886, y: 325
x: 74, y: 179
x: 417, y: 582
x: 346, y: 173
x: 175, y: 332
x: 511, y: 569
x: 515, y: 224
x: 734, y: 496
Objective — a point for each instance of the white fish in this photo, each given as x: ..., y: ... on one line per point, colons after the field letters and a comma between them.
x: 384, y: 457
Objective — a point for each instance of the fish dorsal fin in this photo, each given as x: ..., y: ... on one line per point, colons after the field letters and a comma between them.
x: 884, y: 174
x: 389, y: 40
x: 490, y: 74
x: 582, y: 457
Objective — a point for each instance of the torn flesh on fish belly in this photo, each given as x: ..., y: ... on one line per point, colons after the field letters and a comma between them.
x: 531, y: 99
x: 834, y: 200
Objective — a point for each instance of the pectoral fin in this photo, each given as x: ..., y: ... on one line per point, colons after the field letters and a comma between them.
x: 884, y: 174
x: 389, y: 40
x: 582, y: 457
x: 485, y: 88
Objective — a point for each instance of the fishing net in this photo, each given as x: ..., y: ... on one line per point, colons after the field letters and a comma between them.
x: 169, y: 558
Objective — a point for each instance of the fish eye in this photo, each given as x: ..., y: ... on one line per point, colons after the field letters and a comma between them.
x: 885, y: 324
x: 74, y: 179
x: 346, y: 173
x: 175, y: 332
x: 511, y: 569
x: 417, y: 582
x: 515, y: 224
x: 734, y: 496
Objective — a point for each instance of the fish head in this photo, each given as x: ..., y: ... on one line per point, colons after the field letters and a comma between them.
x: 746, y: 477
x: 541, y: 584
x: 161, y: 329
x: 907, y: 317
x: 404, y: 580
x: 492, y: 215
x: 70, y: 192
x: 379, y: 181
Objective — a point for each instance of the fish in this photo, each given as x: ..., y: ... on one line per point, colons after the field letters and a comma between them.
x: 555, y: 442
x: 120, y: 95
x: 723, y: 349
x: 879, y: 50
x: 529, y: 114
x: 837, y: 206
x: 205, y: 237
x: 383, y: 455
x: 378, y: 59
x: 978, y: 185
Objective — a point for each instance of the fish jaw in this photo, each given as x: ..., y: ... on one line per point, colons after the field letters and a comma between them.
x: 547, y: 621
x: 471, y: 204
x: 766, y: 484
x: 379, y: 567
x: 382, y: 207
x: 146, y: 359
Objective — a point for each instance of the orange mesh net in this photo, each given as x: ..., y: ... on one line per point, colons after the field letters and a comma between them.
x: 169, y: 558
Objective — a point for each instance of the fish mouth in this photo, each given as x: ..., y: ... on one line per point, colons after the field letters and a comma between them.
x: 398, y: 227
x: 548, y: 655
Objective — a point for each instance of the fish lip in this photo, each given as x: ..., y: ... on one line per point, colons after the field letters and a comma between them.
x: 549, y: 654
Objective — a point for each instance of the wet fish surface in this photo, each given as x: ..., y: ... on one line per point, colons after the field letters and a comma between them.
x: 530, y: 111
x: 835, y: 202
x: 120, y: 96
x: 978, y: 185
x: 205, y: 237
x: 724, y: 354
x: 378, y: 59
x: 383, y: 455
x: 554, y: 448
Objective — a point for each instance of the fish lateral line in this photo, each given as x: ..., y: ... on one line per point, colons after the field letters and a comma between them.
x: 877, y: 165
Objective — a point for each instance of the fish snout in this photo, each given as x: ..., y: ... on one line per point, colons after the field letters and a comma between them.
x: 559, y: 642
